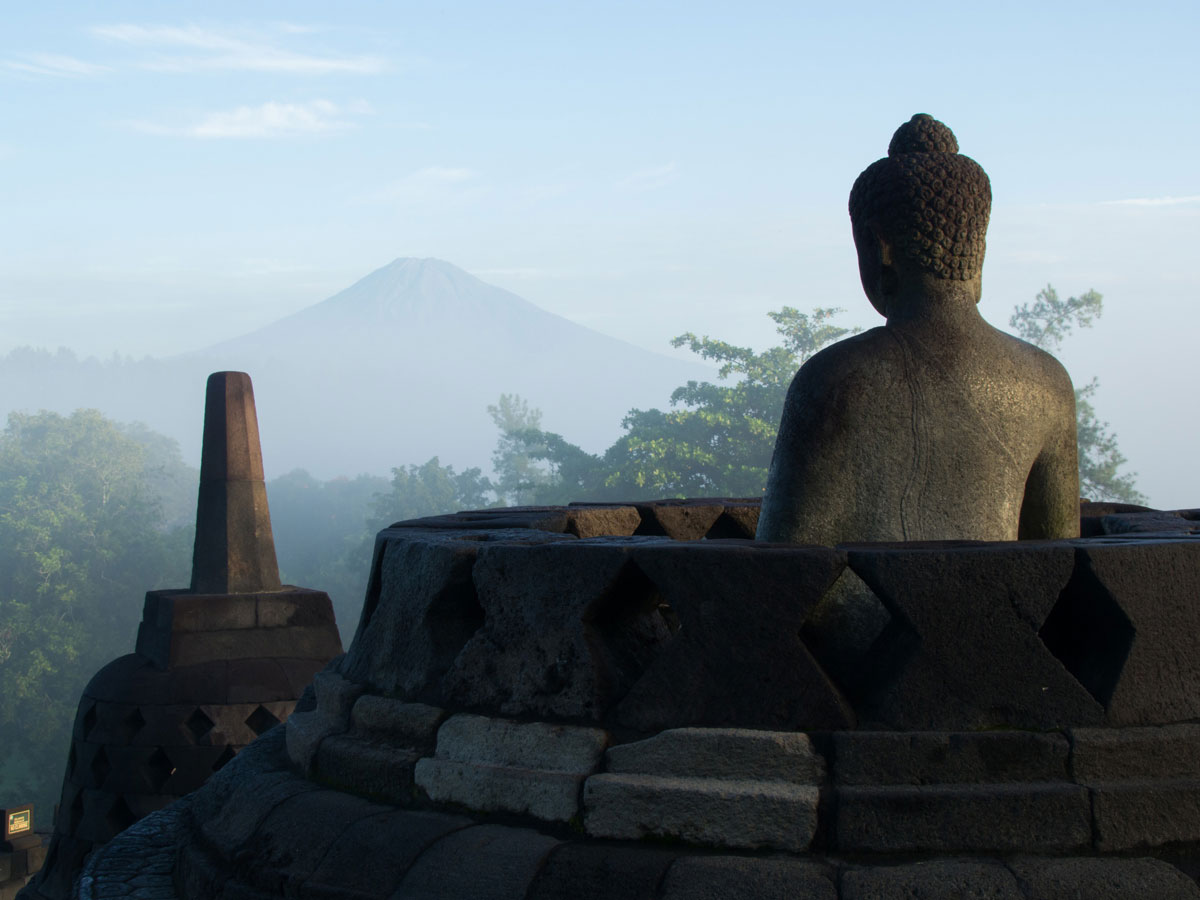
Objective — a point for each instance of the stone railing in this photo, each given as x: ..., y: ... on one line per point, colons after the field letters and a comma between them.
x: 643, y: 617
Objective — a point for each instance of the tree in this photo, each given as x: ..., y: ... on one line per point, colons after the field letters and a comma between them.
x: 1046, y: 324
x: 81, y: 541
x: 430, y: 489
x: 323, y: 537
x: 717, y: 439
x: 519, y: 478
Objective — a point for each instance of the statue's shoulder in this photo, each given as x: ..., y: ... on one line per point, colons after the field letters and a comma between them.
x: 849, y: 375
x: 861, y: 356
x: 1040, y: 364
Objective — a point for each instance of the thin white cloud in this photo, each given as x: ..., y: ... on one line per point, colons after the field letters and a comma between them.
x: 649, y: 179
x: 213, y: 49
x: 53, y: 65
x: 266, y: 121
x: 1155, y: 201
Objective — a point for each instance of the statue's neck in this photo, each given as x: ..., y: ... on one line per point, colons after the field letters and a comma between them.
x: 937, y: 303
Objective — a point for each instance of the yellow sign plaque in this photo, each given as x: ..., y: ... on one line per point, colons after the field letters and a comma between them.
x: 18, y: 821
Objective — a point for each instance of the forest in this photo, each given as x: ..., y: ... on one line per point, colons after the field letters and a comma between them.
x: 94, y: 513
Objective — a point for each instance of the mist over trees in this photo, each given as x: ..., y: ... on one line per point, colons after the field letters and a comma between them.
x: 717, y: 439
x: 83, y: 535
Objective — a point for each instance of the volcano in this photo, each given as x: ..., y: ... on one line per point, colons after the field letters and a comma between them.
x: 397, y: 368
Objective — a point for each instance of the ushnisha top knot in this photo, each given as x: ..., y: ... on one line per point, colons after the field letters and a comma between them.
x: 923, y: 134
x: 925, y: 199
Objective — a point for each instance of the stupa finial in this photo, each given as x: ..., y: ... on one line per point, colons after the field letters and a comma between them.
x: 234, y: 550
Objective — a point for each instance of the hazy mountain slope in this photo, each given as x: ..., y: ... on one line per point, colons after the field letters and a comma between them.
x: 396, y: 368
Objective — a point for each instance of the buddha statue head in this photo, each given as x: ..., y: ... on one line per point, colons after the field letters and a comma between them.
x: 921, y: 214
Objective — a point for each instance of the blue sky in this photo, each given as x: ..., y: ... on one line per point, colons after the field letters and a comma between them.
x: 174, y: 174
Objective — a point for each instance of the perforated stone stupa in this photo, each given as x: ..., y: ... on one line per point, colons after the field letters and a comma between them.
x: 215, y: 666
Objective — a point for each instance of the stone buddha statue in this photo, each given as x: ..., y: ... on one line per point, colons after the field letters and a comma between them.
x: 935, y: 426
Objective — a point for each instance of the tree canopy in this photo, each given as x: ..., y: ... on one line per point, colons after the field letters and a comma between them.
x: 81, y: 541
x: 1046, y: 324
x: 717, y: 438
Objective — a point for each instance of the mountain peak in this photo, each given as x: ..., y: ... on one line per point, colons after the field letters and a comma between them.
x: 413, y: 289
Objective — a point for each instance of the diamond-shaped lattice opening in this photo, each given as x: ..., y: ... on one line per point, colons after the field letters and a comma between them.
x: 89, y: 720
x: 453, y: 618
x: 261, y: 720
x: 119, y: 816
x: 854, y: 638
x: 100, y: 767
x: 634, y: 623
x: 226, y: 755
x: 1090, y: 635
x: 158, y: 769
x: 131, y: 725
x: 198, y: 725
x: 728, y: 526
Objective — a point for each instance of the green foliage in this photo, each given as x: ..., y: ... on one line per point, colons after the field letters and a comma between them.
x: 325, y: 530
x: 323, y: 537
x: 81, y: 541
x: 1049, y: 320
x: 428, y: 490
x: 716, y: 440
x: 1046, y: 324
x: 519, y: 478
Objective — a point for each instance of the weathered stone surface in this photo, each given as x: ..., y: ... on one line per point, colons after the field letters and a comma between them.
x: 292, y: 839
x: 1102, y: 879
x: 680, y: 520
x: 546, y: 795
x: 898, y: 757
x: 713, y: 811
x: 963, y: 650
x: 306, y: 730
x: 181, y: 628
x: 949, y: 880
x: 1159, y: 680
x: 1148, y: 522
x: 727, y: 665
x: 568, y: 627
x: 599, y: 521
x: 259, y: 680
x: 243, y: 810
x: 1044, y: 818
x: 406, y: 724
x: 590, y: 872
x: 496, y: 765
x: 425, y: 612
x: 936, y: 426
x: 368, y: 768
x: 739, y: 520
x: 738, y: 753
x: 370, y: 857
x: 537, y: 745
x: 743, y: 878
x: 235, y: 551
x: 1124, y: 754
x: 1132, y: 815
x: 485, y: 862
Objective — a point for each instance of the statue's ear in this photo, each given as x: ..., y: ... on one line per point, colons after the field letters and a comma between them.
x: 889, y: 281
x: 883, y: 244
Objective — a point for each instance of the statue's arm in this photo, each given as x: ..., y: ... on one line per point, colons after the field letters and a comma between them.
x: 1050, y: 508
x: 796, y: 507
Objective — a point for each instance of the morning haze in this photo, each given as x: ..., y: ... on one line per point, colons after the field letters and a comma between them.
x: 173, y: 183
